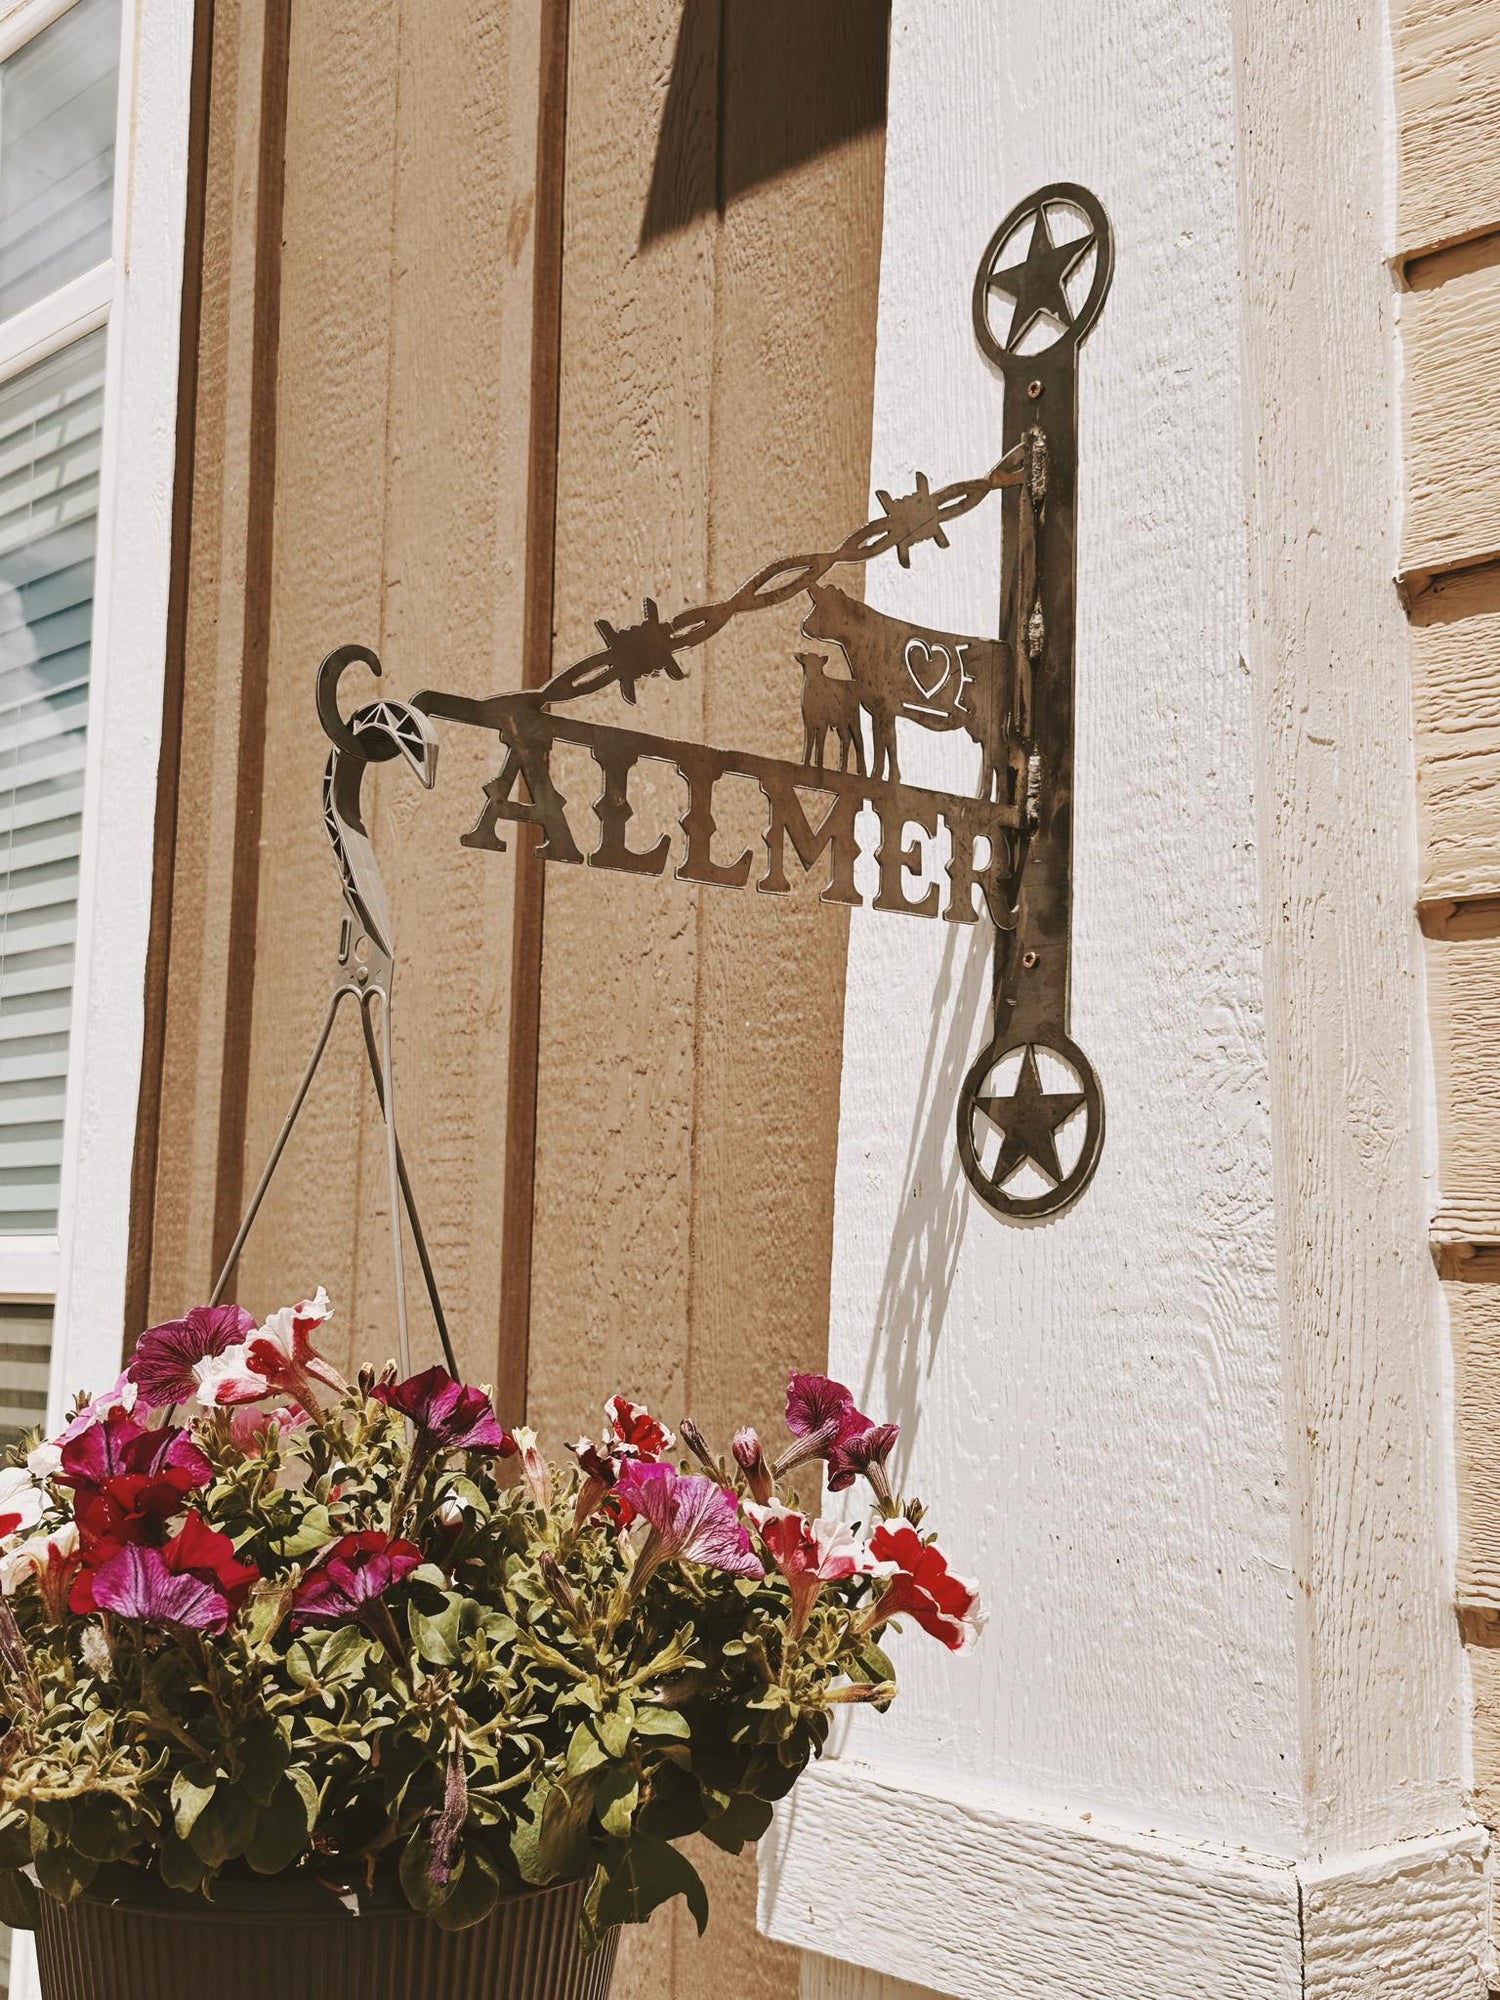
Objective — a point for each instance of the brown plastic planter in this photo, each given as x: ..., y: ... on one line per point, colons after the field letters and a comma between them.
x: 528, y: 1950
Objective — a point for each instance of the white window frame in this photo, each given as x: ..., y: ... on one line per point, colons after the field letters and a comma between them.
x: 137, y: 295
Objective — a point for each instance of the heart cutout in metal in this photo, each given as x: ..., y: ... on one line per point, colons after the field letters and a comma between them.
x: 929, y: 654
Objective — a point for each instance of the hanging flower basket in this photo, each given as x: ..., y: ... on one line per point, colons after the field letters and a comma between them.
x: 316, y: 1688
x: 174, y: 1948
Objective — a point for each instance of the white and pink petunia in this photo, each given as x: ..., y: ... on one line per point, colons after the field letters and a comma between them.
x: 278, y: 1359
x: 809, y: 1553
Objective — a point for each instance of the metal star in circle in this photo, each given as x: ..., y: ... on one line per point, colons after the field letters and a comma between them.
x: 1028, y: 1122
x: 1037, y: 284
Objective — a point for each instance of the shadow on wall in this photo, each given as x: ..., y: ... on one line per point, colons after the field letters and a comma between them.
x: 922, y: 1260
x: 767, y: 125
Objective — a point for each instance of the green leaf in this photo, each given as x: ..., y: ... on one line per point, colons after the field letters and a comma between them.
x: 655, y: 1721
x: 62, y: 1873
x: 526, y: 1835
x: 262, y: 1616
x: 263, y: 1758
x: 742, y: 1823
x: 642, y: 1874
x: 225, y: 1827
x: 616, y: 1800
x: 18, y: 1900
x: 675, y: 1806
x: 472, y: 1893
x: 281, y: 1830
x: 100, y: 1828
x: 585, y: 1751
x: 415, y: 1872
x: 192, y: 1789
x: 178, y: 1865
x: 564, y: 1846
x: 614, y: 1726
x: 436, y: 1638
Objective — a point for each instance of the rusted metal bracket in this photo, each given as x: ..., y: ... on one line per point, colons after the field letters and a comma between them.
x: 1031, y: 1112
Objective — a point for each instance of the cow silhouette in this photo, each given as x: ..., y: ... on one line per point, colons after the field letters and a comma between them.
x: 829, y: 705
x: 936, y: 679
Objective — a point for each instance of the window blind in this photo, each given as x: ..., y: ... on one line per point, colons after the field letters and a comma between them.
x: 49, y: 494
x: 57, y: 153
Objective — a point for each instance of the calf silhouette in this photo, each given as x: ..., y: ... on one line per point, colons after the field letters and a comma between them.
x: 932, y: 678
x: 829, y: 704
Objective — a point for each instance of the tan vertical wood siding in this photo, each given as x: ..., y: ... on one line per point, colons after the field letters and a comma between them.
x: 455, y: 402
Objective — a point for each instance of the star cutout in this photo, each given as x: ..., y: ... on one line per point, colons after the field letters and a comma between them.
x: 1037, y: 285
x: 1028, y: 1122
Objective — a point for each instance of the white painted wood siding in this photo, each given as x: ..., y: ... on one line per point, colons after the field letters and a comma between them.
x: 1194, y: 1435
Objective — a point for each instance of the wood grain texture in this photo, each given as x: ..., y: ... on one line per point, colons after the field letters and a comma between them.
x: 400, y: 383
x: 1455, y: 651
x: 715, y: 399
x: 996, y: 1899
x: 1451, y: 352
x: 1364, y: 1357
x: 1447, y: 83
x: 1463, y: 999
x: 214, y: 813
x: 1474, y: 1315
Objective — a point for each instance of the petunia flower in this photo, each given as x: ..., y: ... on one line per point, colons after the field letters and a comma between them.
x: 137, y: 1583
x: 820, y: 1414
x: 354, y: 1572
x: 117, y: 1444
x: 534, y: 1465
x: 130, y: 1512
x: 924, y: 1588
x: 51, y: 1561
x: 808, y: 1554
x: 632, y: 1432
x: 45, y: 1459
x: 162, y: 1367
x: 194, y: 1580
x: 22, y: 1501
x: 250, y: 1428
x: 447, y: 1415
x: 689, y: 1519
x: 279, y: 1359
x: 863, y: 1452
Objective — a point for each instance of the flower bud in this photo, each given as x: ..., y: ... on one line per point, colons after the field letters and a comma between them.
x: 697, y: 1444
x: 751, y: 1459
x: 447, y: 1526
x: 557, y: 1584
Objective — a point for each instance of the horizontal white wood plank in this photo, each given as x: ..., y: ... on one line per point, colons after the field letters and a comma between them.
x: 977, y: 1897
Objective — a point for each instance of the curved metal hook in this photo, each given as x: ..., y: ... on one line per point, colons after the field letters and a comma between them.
x: 331, y: 671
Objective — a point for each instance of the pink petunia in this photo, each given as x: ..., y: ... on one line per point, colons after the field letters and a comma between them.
x: 820, y: 1414
x: 689, y: 1518
x: 137, y: 1584
x: 924, y: 1588
x: 194, y: 1580
x: 162, y: 1367
x: 862, y: 1452
x: 279, y: 1359
x: 630, y: 1432
x: 808, y: 1553
x: 119, y: 1445
x: 250, y: 1428
x: 354, y: 1572
x: 750, y: 1457
x: 447, y: 1415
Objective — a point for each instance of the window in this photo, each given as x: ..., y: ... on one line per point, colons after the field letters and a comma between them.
x: 58, y: 114
x: 94, y: 131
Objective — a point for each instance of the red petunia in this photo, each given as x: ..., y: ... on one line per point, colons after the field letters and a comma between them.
x: 924, y: 1588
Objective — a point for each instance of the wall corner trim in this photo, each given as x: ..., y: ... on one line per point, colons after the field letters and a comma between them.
x: 973, y: 1893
